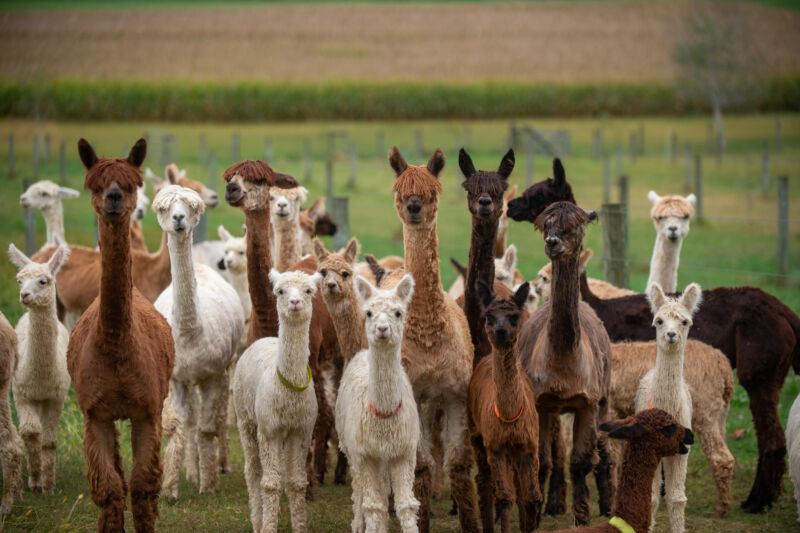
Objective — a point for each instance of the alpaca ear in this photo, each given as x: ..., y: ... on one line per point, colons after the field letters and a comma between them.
x: 691, y: 199
x: 317, y: 208
x: 559, y: 176
x: 511, y: 194
x: 87, y: 154
x: 364, y: 289
x: 316, y: 277
x: 351, y: 251
x: 669, y: 430
x: 405, y: 289
x: 274, y: 276
x: 282, y: 180
x: 396, y: 161
x: 18, y: 258
x: 507, y: 164
x: 138, y: 153
x: 319, y: 250
x: 656, y: 296
x: 302, y: 194
x: 465, y: 164
x: 66, y: 192
x: 510, y: 258
x: 484, y: 293
x: 223, y: 233
x: 521, y: 296
x: 377, y: 270
x: 632, y: 432
x: 691, y: 297
x: 172, y: 174
x: 182, y: 173
x: 461, y: 269
x: 591, y: 215
x: 58, y: 259
x: 653, y: 197
x: 436, y: 162
x: 585, y: 256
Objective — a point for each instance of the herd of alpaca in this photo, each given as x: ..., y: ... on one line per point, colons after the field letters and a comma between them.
x: 304, y: 347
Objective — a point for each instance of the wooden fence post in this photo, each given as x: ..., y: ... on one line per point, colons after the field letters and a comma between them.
x: 418, y: 144
x: 30, y: 225
x: 268, y: 150
x: 513, y: 137
x: 783, y: 225
x: 623, y: 190
x: 380, y: 144
x: 614, y: 218
x: 674, y: 148
x: 353, y: 155
x: 340, y: 212
x: 687, y: 170
x: 10, y: 155
x: 62, y: 162
x: 308, y: 164
x: 35, y: 157
x: 620, y: 170
x: 528, y: 162
x: 606, y: 179
x: 633, y: 146
x: 235, y: 152
x: 778, y: 134
x: 47, y: 148
x: 698, y: 185
x: 765, y: 170
x: 641, y: 139
x: 201, y: 149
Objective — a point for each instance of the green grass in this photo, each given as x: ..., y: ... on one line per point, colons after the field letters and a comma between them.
x: 712, y: 254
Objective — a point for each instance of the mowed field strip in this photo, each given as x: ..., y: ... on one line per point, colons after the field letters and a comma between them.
x: 530, y: 42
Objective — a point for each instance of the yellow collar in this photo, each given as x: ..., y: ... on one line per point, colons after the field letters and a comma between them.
x: 621, y: 524
x: 289, y: 385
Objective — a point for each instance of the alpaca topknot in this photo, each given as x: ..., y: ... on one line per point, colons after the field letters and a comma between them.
x: 672, y: 206
x: 259, y: 172
x: 565, y: 215
x: 417, y: 181
x: 172, y: 193
x: 108, y: 170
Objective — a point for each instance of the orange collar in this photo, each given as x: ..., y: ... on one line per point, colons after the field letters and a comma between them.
x: 384, y: 415
x: 509, y: 421
x: 676, y: 412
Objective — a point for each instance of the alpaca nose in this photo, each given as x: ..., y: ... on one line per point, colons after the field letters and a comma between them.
x: 282, y: 204
x: 24, y: 296
x: 552, y: 241
x: 484, y: 201
x: 114, y: 196
x: 383, y: 329
x: 331, y: 285
x: 673, y: 229
x: 295, y: 302
x: 414, y: 208
x: 177, y: 217
x: 233, y: 192
x: 671, y: 335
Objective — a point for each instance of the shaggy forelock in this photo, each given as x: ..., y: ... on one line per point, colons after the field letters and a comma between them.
x: 503, y: 306
x: 175, y: 193
x: 250, y: 170
x: 565, y: 215
x: 671, y: 206
x: 107, y: 170
x: 417, y: 181
x: 481, y: 182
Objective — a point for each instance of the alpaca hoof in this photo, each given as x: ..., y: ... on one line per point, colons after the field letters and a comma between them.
x: 752, y: 507
x: 207, y: 490
x: 392, y: 514
x: 338, y: 481
x: 224, y: 470
x: 453, y: 510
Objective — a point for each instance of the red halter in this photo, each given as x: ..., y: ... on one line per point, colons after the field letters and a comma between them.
x: 521, y: 409
x: 385, y: 415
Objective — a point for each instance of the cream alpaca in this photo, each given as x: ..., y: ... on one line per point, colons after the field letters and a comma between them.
x: 602, y: 289
x: 10, y: 443
x: 207, y: 322
x: 276, y: 406
x: 504, y: 272
x: 670, y: 216
x: 376, y: 415
x: 284, y: 219
x: 40, y: 380
x: 46, y: 196
x: 663, y: 387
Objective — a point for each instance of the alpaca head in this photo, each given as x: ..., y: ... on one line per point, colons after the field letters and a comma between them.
x: 485, y: 188
x: 37, y: 281
x: 177, y: 176
x: 502, y: 315
x: 502, y: 224
x: 653, y: 430
x: 544, y: 278
x: 562, y: 225
x: 178, y: 210
x: 284, y: 205
x: 235, y: 252
x: 538, y: 196
x: 113, y: 182
x: 249, y: 183
x: 504, y: 267
x: 336, y: 270
x: 671, y: 215
x: 294, y: 292
x: 44, y: 195
x: 532, y: 301
x: 417, y: 189
x: 142, y: 201
x: 384, y: 310
x: 672, y: 317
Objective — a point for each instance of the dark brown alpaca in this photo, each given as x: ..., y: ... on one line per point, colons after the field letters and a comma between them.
x: 11, y: 444
x: 503, y: 424
x: 120, y: 355
x: 528, y: 206
x: 651, y: 435
x: 566, y: 353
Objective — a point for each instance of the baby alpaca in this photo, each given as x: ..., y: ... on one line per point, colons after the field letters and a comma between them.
x: 10, y: 443
x: 793, y: 445
x: 41, y: 380
x: 284, y: 215
x: 46, y: 196
x: 276, y: 406
x: 663, y: 387
x: 376, y: 414
x: 670, y: 216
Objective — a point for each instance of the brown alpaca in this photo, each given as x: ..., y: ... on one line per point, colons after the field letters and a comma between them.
x: 651, y: 435
x: 137, y: 238
x: 10, y: 442
x: 120, y: 355
x: 566, y: 353
x: 437, y: 352
x: 178, y: 177
x: 503, y: 424
x: 500, y: 244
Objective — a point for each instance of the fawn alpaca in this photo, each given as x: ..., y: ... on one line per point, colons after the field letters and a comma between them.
x: 670, y: 216
x: 46, y: 196
x: 10, y: 443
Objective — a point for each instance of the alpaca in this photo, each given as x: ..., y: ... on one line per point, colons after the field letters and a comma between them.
x: 10, y: 443
x: 314, y: 221
x: 46, y: 196
x: 284, y: 219
x: 652, y: 435
x: 41, y: 380
x: 376, y: 414
x: 793, y: 443
x: 529, y: 205
x: 502, y: 417
x: 276, y: 405
x: 733, y: 320
x: 502, y: 225
x: 390, y: 264
x: 437, y: 352
x: 137, y: 237
x: 670, y: 216
x: 504, y: 272
x: 120, y: 354
x: 566, y: 353
x: 142, y: 201
x: 601, y: 288
x: 235, y: 263
x: 663, y: 387
x: 207, y: 321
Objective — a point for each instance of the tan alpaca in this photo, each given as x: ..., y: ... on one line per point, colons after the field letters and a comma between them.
x: 504, y: 271
x: 10, y: 443
x: 502, y: 225
x: 390, y: 264
x: 284, y: 218
x: 41, y: 380
x: 309, y: 227
x: 544, y: 279
x: 46, y: 196
x: 670, y: 216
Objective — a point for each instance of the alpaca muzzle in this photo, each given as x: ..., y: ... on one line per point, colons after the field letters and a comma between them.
x: 234, y: 194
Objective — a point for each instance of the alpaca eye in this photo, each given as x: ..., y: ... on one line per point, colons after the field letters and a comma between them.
x: 43, y: 281
x: 241, y: 253
x: 659, y: 321
x: 685, y: 217
x: 280, y: 291
x: 398, y: 314
x: 45, y: 194
x: 345, y: 274
x: 308, y: 291
x: 369, y: 313
x: 544, y: 278
x: 323, y: 272
x: 513, y: 319
x: 685, y: 322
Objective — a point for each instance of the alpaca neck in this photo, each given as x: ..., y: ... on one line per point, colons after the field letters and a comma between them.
x: 500, y: 241
x: 116, y: 286
x: 564, y: 328
x: 506, y: 377
x: 264, y: 318
x: 426, y: 311
x: 586, y: 292
x: 184, y: 286
x: 664, y: 263
x: 385, y: 371
x: 480, y: 267
x: 348, y: 323
x: 287, y: 246
x: 43, y: 335
x: 54, y: 223
x: 137, y: 238
x: 242, y: 288
x: 157, y: 264
x: 635, y: 482
x: 668, y: 378
x: 293, y: 349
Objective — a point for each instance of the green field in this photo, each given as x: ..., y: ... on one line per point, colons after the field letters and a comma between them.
x: 734, y: 245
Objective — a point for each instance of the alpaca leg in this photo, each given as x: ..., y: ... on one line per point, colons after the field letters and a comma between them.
x: 433, y: 420
x: 212, y: 392
x: 222, y: 425
x: 675, y: 477
x: 712, y: 441
x: 483, y: 480
x: 548, y: 425
x: 422, y: 474
x: 192, y: 457
x: 174, y: 422
x: 374, y: 499
x: 296, y: 449
x: 248, y: 436
x: 357, y: 474
x: 30, y: 429
x: 271, y: 476
x: 402, y: 475
x: 529, y: 495
x: 557, y: 494
x: 503, y: 483
x: 104, y: 472
x: 322, y: 431
x: 655, y: 495
x: 458, y: 461
x: 603, y: 475
x: 11, y: 446
x: 584, y: 445
x: 146, y: 472
x: 340, y: 476
x: 51, y: 414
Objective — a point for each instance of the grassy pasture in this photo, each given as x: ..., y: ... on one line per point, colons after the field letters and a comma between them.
x: 738, y: 235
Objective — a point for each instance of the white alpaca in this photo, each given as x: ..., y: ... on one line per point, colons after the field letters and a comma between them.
x: 276, y: 406
x: 284, y: 216
x: 40, y: 378
x: 670, y: 216
x: 504, y: 272
x: 793, y: 445
x: 376, y: 415
x: 142, y: 201
x: 531, y: 301
x: 207, y: 321
x: 664, y: 387
x: 46, y: 196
